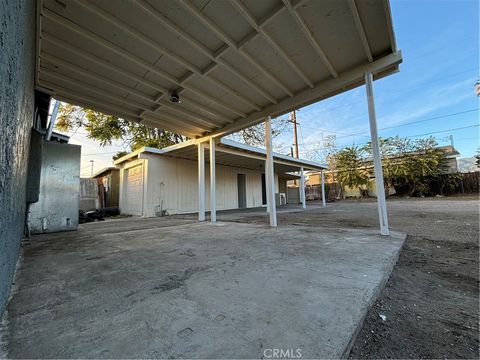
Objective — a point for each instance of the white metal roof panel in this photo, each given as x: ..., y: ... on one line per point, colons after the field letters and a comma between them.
x: 231, y: 153
x: 232, y: 62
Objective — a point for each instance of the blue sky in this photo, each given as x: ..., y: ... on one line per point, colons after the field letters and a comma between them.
x: 440, y: 45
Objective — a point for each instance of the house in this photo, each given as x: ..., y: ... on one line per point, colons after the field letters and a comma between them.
x: 155, y: 182
x: 313, y: 178
x: 108, y: 182
x: 451, y: 154
x: 202, y: 70
x: 469, y: 164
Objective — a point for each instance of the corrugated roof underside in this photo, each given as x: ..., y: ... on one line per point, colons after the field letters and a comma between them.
x: 226, y: 59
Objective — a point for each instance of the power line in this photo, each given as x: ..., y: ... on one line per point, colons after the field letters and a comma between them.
x: 444, y: 131
x: 101, y: 153
x: 425, y: 120
x: 425, y: 134
x: 381, y: 99
x: 400, y: 125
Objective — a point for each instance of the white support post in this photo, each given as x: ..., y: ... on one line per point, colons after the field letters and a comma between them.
x: 324, y: 203
x: 201, y: 182
x: 213, y: 188
x: 301, y: 188
x: 377, y: 161
x: 266, y: 185
x: 270, y: 178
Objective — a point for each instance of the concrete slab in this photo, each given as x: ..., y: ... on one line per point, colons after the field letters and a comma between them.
x: 168, y: 288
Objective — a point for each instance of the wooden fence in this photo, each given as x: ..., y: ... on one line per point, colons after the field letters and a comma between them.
x: 332, y: 192
x: 469, y: 183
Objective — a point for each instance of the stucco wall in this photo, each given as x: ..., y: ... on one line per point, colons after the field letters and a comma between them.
x: 17, y: 31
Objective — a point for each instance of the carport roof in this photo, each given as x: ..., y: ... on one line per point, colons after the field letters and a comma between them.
x: 231, y: 62
x: 230, y: 153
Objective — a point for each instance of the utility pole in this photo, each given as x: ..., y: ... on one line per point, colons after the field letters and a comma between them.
x: 91, y: 168
x: 293, y: 120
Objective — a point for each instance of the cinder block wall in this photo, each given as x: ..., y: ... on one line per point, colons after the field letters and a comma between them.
x: 17, y: 34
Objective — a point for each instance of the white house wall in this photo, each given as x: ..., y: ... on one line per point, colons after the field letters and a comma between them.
x: 175, y: 181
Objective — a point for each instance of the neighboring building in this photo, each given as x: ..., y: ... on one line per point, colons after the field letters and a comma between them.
x: 469, y: 164
x: 451, y: 155
x: 57, y: 206
x: 53, y: 49
x: 89, y: 199
x: 108, y: 182
x: 154, y: 182
x: 313, y: 178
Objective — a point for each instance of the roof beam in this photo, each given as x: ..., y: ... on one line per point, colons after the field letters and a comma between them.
x: 260, y: 156
x: 185, y: 112
x: 309, y: 36
x: 89, y: 103
x: 109, y: 108
x: 124, y: 26
x: 166, y: 119
x: 360, y: 29
x: 124, y: 73
x: 297, y: 3
x: 204, y: 95
x: 56, y: 61
x: 391, y: 34
x: 149, y: 9
x: 90, y: 88
x: 269, y: 39
x: 345, y: 81
x: 230, y: 44
x: 74, y: 84
x: 119, y: 51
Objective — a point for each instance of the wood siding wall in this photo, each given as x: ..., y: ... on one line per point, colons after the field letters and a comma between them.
x: 175, y: 181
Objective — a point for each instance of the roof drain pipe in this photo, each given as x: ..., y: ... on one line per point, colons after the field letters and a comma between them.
x: 53, y: 117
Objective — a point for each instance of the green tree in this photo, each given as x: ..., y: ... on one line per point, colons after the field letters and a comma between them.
x: 107, y: 128
x: 351, y: 167
x: 408, y: 164
x: 119, y: 154
x: 411, y: 166
x: 424, y: 160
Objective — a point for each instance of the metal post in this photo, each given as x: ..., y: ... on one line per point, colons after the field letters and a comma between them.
x: 213, y: 188
x: 324, y: 203
x: 270, y: 179
x: 266, y: 185
x: 301, y: 188
x: 53, y: 118
x: 201, y: 182
x: 377, y: 161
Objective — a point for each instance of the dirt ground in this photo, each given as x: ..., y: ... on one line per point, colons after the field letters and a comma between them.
x: 431, y: 301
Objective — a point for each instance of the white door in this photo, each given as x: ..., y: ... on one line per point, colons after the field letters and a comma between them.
x: 134, y: 190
